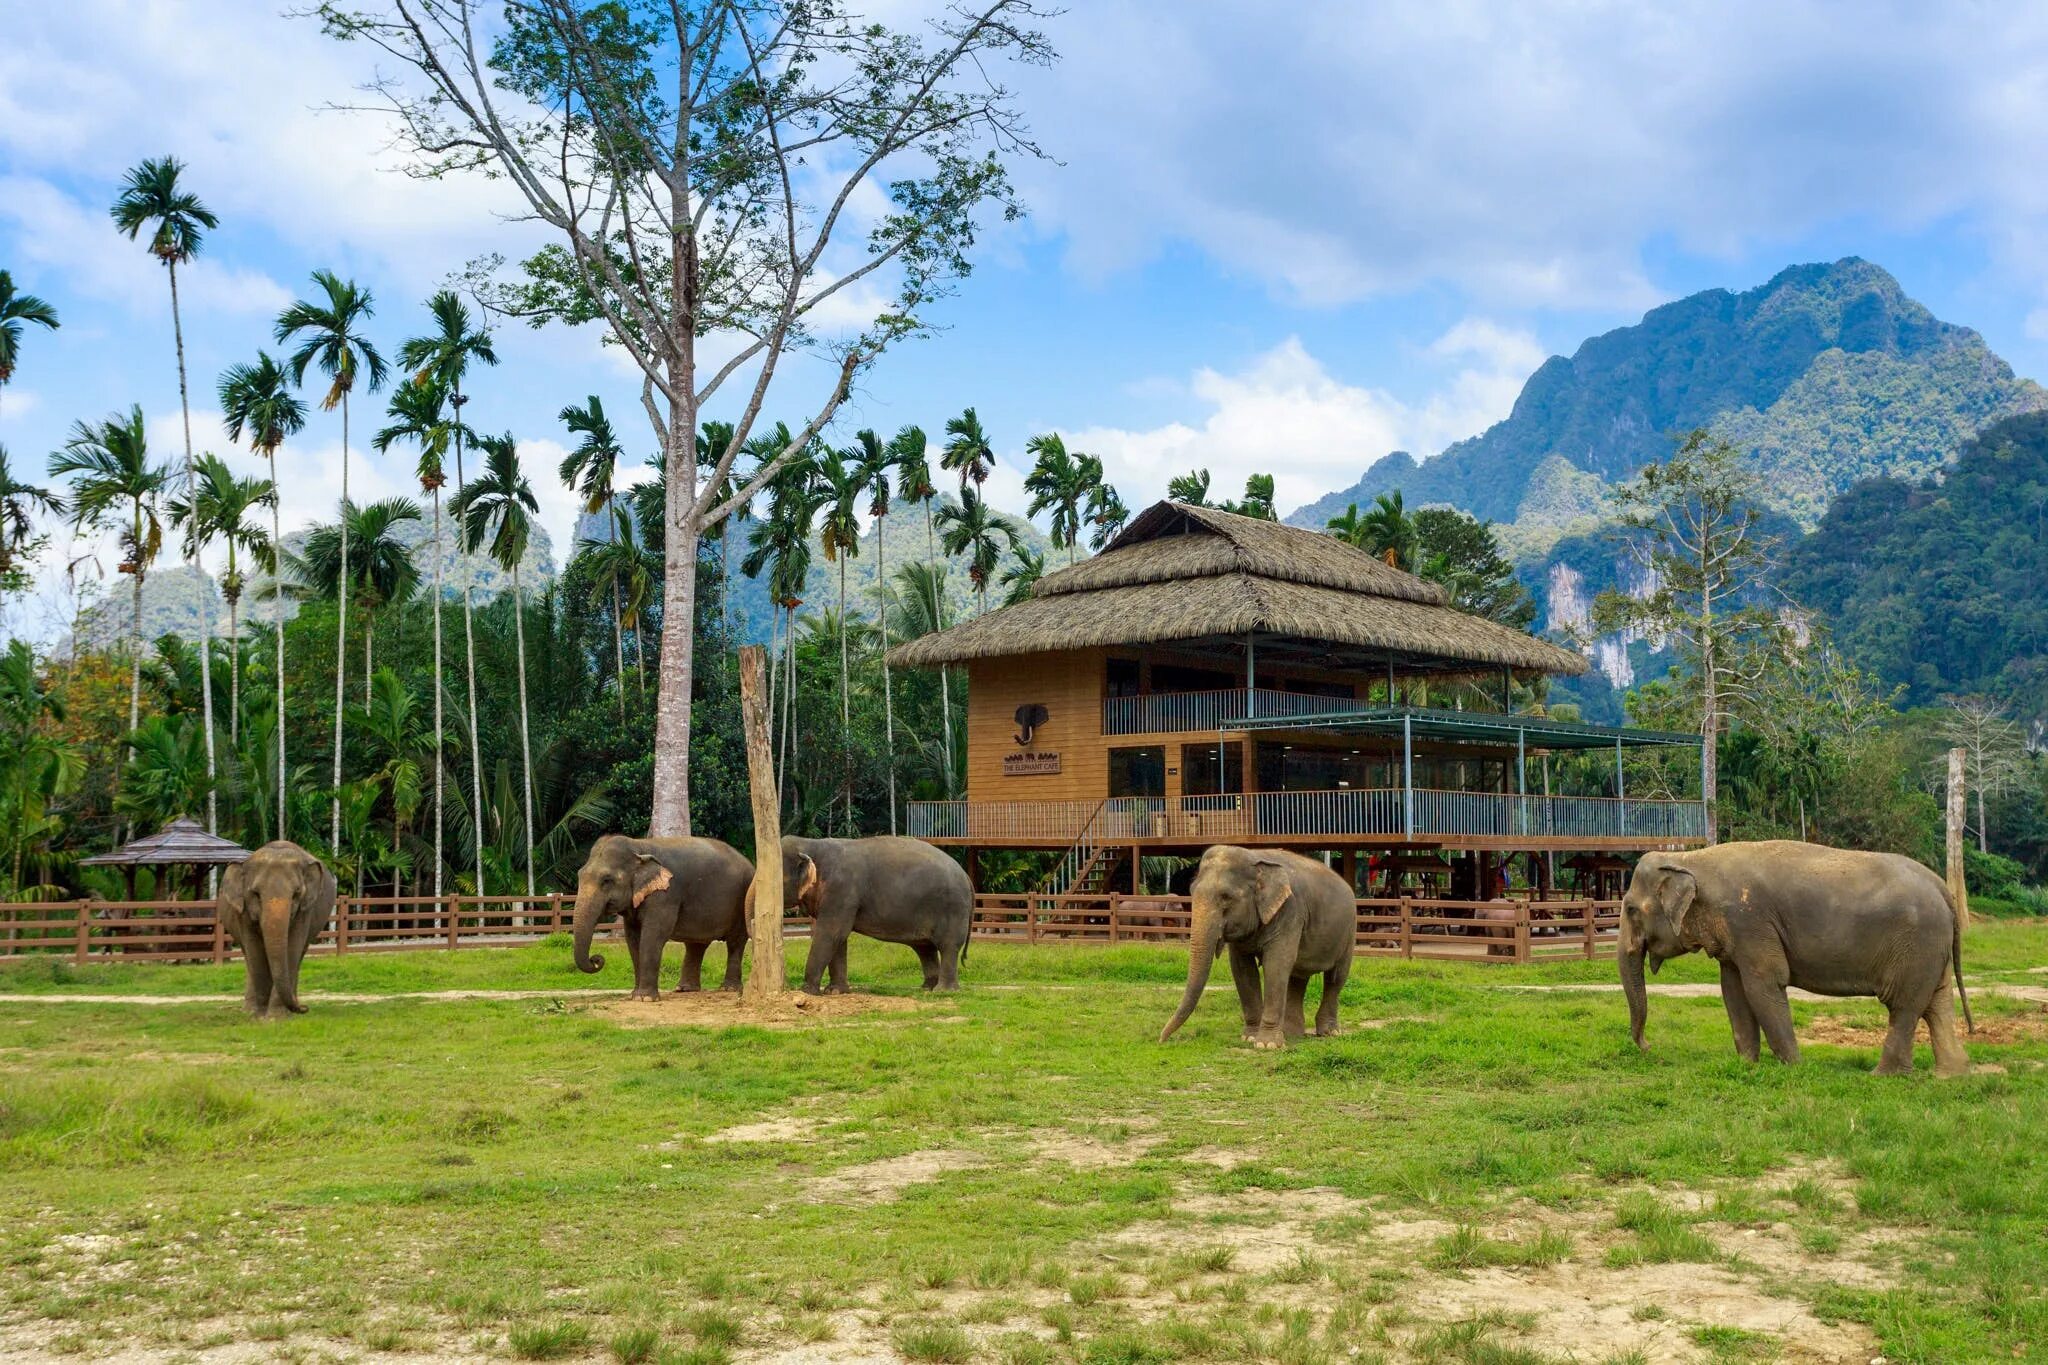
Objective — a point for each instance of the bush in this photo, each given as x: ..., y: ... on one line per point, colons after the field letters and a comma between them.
x: 1993, y: 875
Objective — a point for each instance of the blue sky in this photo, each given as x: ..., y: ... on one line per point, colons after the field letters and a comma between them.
x: 1281, y: 239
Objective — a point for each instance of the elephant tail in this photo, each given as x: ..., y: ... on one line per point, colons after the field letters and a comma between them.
x: 1955, y: 958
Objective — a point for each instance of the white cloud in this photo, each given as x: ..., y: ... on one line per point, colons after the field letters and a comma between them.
x: 16, y: 403
x: 1284, y: 414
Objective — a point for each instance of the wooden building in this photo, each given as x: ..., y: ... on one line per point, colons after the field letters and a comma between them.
x: 1211, y: 678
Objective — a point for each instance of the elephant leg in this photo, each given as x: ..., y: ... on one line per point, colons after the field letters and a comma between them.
x: 692, y: 979
x: 654, y: 932
x: 629, y: 929
x: 1741, y: 1019
x: 735, y: 950
x: 828, y: 950
x: 839, y: 986
x: 1296, y: 1025
x: 1333, y: 989
x: 1277, y: 966
x: 949, y: 967
x: 256, y: 991
x: 928, y: 958
x: 1950, y: 1057
x: 1773, y: 1011
x: 1244, y: 970
x: 1897, y: 1057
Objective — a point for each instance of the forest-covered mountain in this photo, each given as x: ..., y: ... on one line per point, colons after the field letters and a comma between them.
x: 1942, y: 583
x: 1829, y: 373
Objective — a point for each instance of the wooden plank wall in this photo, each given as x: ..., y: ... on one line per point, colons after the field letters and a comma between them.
x: 1069, y: 685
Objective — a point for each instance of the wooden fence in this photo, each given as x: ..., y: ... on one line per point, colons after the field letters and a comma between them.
x: 187, y: 931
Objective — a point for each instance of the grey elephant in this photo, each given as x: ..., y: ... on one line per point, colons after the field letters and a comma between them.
x: 1777, y: 914
x: 896, y: 890
x: 273, y: 905
x: 1285, y: 918
x: 691, y: 891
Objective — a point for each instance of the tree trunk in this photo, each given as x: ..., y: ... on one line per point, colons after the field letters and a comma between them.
x: 439, y: 741
x: 945, y: 680
x: 234, y: 653
x: 476, y: 761
x: 618, y: 620
x: 845, y: 705
x: 525, y: 742
x: 1958, y: 881
x: 277, y: 621
x: 1983, y: 829
x: 340, y: 641
x: 205, y: 627
x: 675, y: 664
x: 888, y: 696
x: 765, y: 898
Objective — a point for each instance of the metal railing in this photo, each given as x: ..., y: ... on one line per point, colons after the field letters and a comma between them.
x: 1177, y: 712
x: 1383, y: 812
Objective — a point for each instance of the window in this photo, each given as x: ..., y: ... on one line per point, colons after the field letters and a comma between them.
x: 1199, y: 769
x: 1121, y: 678
x: 1307, y: 688
x: 1174, y: 678
x: 1138, y: 771
x: 1303, y: 768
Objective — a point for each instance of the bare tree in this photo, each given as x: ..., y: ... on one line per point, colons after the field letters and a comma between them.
x: 695, y: 159
x: 1994, y: 750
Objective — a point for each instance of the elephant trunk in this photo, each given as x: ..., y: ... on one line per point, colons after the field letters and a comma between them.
x: 587, y: 913
x: 1631, y: 960
x: 1204, y: 941
x: 277, y: 947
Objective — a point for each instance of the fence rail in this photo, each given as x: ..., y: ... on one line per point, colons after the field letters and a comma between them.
x: 1389, y: 813
x: 1181, y: 712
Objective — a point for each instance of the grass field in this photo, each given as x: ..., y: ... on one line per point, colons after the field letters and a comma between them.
x: 1477, y: 1171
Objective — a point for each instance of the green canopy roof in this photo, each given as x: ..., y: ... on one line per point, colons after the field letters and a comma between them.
x: 1471, y: 727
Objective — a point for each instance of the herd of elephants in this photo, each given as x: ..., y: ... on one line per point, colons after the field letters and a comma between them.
x: 1775, y: 915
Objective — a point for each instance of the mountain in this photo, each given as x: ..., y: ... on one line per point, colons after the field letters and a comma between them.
x: 1829, y: 374
x: 1941, y: 584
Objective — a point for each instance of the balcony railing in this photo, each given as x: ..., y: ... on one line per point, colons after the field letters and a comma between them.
x: 1386, y: 812
x: 1177, y: 712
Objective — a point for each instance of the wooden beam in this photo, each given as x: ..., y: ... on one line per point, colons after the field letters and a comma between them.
x: 769, y: 978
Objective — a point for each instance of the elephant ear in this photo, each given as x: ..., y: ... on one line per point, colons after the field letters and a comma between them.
x: 1675, y: 897
x: 649, y: 876
x: 809, y: 887
x: 1274, y: 889
x: 230, y: 888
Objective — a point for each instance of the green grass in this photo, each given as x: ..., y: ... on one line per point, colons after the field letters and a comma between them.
x: 527, y: 1174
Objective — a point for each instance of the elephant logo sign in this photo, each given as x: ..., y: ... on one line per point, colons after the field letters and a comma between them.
x: 1030, y: 716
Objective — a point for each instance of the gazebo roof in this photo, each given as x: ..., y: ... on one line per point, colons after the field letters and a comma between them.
x: 184, y: 842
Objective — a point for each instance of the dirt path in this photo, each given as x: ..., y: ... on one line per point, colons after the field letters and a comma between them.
x: 309, y: 997
x: 1693, y: 989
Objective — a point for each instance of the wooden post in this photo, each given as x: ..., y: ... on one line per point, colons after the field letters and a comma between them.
x: 1958, y: 884
x: 1407, y: 927
x: 769, y: 977
x: 340, y: 925
x: 1592, y: 911
x: 220, y: 938
x: 1522, y: 931
x: 450, y: 913
x: 84, y: 930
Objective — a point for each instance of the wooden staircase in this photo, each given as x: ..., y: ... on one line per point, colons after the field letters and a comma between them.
x: 1088, y: 868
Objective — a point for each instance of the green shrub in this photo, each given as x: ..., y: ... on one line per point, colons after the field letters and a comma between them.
x: 1992, y: 874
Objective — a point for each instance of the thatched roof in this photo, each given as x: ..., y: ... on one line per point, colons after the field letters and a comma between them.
x: 1181, y: 573
x: 183, y: 842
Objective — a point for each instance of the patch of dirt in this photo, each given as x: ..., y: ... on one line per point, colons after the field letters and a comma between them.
x: 1222, y: 1158
x: 1264, y: 1229
x: 787, y: 1128
x: 877, y: 1182
x: 722, y: 1009
x: 1860, y: 1031
x: 1089, y: 1153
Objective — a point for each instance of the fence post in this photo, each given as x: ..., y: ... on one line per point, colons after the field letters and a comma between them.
x: 341, y: 909
x: 1407, y: 928
x: 1592, y: 911
x: 84, y: 946
x: 1114, y: 901
x: 450, y: 913
x: 1522, y: 953
x: 1030, y: 920
x: 554, y: 912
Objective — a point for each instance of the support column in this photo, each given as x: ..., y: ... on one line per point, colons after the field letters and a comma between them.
x: 1251, y: 676
x: 1620, y: 791
x: 1408, y: 777
x: 1347, y: 862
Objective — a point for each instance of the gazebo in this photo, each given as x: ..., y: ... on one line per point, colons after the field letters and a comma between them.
x: 182, y: 843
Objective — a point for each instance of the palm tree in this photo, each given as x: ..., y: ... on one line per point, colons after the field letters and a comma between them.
x: 19, y: 502
x: 1389, y: 532
x: 872, y: 473
x: 445, y: 356
x: 332, y: 339
x: 178, y: 222
x: 1348, y: 526
x: 1020, y: 578
x: 17, y: 309
x: 968, y: 451
x: 379, y: 568
x: 391, y: 722
x: 969, y: 527
x: 635, y: 569
x: 839, y: 491
x: 1106, y: 511
x: 218, y: 509
x: 113, y: 482
x: 1191, y: 488
x: 781, y: 544
x: 37, y: 764
x: 257, y: 399
x: 909, y: 450
x: 594, y: 463
x: 1058, y: 483
x: 417, y: 415
x: 499, y: 506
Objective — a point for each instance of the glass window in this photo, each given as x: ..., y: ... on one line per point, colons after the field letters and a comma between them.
x: 1174, y: 678
x: 1121, y: 679
x: 1307, y: 688
x: 1138, y: 771
x: 1311, y: 768
x: 1201, y: 765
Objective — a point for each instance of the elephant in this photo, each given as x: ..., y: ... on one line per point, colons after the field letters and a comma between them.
x: 273, y: 904
x: 1284, y: 918
x: 692, y: 891
x: 1779, y: 913
x: 1495, y: 922
x: 893, y: 889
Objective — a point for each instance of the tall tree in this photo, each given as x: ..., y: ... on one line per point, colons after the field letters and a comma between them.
x: 972, y: 528
x: 872, y: 474
x: 697, y: 160
x: 910, y: 450
x: 968, y: 451
x: 420, y: 414
x: 1022, y: 576
x: 780, y: 545
x: 443, y: 357
x: 1059, y: 483
x: 1694, y: 524
x: 839, y: 492
x: 217, y: 509
x: 19, y: 502
x: 1258, y: 499
x: 712, y: 439
x: 1191, y: 488
x: 377, y: 569
x: 592, y: 470
x: 152, y: 198
x: 1994, y: 751
x: 635, y: 569
x: 1385, y: 529
x: 256, y: 400
x: 38, y: 764
x: 16, y: 311
x: 1459, y: 551
x: 498, y: 506
x: 115, y: 486
x: 330, y: 336
x: 1106, y: 512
